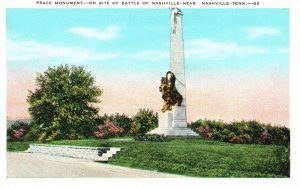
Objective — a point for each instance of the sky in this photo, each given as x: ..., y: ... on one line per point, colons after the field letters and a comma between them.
x: 236, y: 60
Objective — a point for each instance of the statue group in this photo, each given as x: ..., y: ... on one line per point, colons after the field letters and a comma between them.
x: 170, y: 95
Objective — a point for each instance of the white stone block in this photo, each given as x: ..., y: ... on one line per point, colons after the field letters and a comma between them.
x: 71, y: 151
x: 179, y: 113
x: 179, y: 123
x: 165, y: 119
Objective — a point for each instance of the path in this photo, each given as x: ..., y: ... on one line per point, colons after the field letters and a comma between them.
x: 27, y: 165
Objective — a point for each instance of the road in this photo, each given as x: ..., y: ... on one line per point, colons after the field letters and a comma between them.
x: 27, y: 165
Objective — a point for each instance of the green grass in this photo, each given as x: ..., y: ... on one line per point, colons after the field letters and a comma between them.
x: 17, y: 146
x: 192, y: 157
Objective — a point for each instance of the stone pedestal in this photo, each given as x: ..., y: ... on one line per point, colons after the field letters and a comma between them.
x: 173, y: 123
x: 179, y: 114
x: 165, y: 119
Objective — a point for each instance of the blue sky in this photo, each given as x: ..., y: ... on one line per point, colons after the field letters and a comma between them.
x: 233, y: 38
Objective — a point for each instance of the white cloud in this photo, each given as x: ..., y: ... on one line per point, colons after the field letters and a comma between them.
x: 22, y: 51
x: 256, y: 32
x: 283, y: 50
x: 149, y: 55
x: 208, y: 49
x: 107, y: 33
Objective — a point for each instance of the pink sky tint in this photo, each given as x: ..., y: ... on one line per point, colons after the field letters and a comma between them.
x: 18, y: 84
x: 240, y: 97
x: 226, y: 97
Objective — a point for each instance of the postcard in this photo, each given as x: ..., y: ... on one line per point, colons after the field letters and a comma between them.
x: 192, y: 92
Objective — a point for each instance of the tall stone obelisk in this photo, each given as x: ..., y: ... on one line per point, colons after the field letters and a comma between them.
x: 177, y: 65
x: 177, y: 53
x: 173, y: 122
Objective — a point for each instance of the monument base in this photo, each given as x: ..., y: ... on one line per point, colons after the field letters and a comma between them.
x: 174, y: 131
x: 173, y: 123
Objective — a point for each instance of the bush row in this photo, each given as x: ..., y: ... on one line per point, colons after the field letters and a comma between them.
x: 249, y: 132
x: 243, y: 132
x: 107, y: 126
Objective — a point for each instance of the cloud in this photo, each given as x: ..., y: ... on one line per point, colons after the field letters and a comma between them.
x: 105, y: 34
x: 208, y: 49
x: 22, y: 51
x: 149, y: 55
x: 256, y: 32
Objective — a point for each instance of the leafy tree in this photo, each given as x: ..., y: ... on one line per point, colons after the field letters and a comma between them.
x: 61, y: 104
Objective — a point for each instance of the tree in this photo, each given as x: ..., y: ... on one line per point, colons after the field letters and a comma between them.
x: 61, y: 104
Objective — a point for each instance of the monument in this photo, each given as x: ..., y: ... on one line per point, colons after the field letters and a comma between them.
x: 172, y: 118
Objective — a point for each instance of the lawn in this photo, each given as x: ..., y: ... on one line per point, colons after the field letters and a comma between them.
x: 191, y: 156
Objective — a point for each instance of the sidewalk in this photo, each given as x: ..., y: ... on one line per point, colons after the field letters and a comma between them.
x: 27, y: 165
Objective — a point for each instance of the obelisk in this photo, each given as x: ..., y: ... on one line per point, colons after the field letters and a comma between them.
x: 177, y: 65
x: 173, y: 122
x: 176, y: 51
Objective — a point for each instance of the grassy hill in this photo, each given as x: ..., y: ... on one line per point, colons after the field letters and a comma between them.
x: 192, y: 157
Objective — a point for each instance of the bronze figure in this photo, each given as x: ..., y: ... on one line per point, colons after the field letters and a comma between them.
x: 170, y: 95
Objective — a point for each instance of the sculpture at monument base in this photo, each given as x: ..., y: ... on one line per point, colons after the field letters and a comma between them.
x: 170, y: 95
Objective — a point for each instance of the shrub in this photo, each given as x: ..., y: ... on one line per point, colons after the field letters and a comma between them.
x: 247, y: 138
x: 150, y: 137
x: 107, y: 130
x: 144, y: 121
x: 280, y: 135
x: 33, y: 134
x: 122, y: 121
x: 204, y: 132
x: 237, y: 140
x: 265, y: 137
x: 18, y: 131
x: 100, y: 120
x: 250, y: 132
x: 19, y: 134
